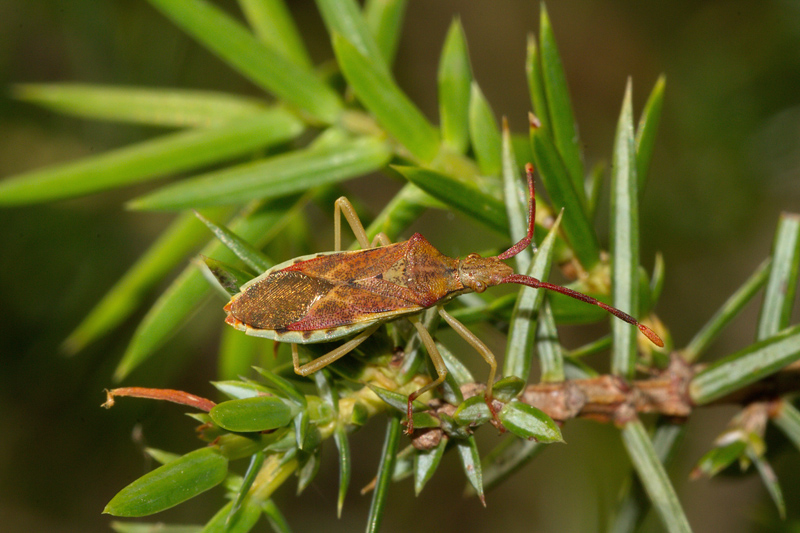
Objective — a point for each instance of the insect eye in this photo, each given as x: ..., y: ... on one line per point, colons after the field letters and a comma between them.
x: 473, y: 256
x: 479, y: 286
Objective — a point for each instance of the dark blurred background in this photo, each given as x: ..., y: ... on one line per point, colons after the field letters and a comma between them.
x: 727, y: 162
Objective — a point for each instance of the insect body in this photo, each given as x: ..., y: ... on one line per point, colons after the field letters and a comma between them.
x: 332, y: 295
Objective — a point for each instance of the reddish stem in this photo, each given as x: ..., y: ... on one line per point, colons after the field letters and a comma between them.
x: 169, y: 395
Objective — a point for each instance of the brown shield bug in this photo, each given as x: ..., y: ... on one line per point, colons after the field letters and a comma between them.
x: 332, y: 295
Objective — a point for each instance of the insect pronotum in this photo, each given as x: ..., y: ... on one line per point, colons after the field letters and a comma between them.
x: 332, y: 295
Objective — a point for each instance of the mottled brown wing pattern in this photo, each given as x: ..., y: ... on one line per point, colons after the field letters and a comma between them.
x: 340, y: 289
x: 278, y: 300
x: 348, y: 304
x: 310, y: 296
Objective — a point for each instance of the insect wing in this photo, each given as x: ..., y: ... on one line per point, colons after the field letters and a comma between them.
x: 322, y: 297
x: 343, y: 267
x: 346, y: 305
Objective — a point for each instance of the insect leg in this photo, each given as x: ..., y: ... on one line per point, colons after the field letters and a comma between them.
x: 324, y: 360
x: 438, y: 364
x: 381, y: 239
x: 482, y: 349
x: 342, y: 206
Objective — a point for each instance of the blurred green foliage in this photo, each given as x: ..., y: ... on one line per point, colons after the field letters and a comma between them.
x: 726, y: 162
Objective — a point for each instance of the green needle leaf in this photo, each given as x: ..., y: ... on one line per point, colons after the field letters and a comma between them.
x: 508, y: 388
x: 455, y: 81
x: 161, y: 456
x: 725, y: 314
x: 559, y: 106
x: 276, y: 519
x: 528, y: 422
x: 326, y: 391
x: 345, y: 465
x: 788, y: 420
x: 170, y: 484
x: 308, y: 469
x: 229, y: 278
x: 404, y: 464
x: 516, y: 199
x: 179, y: 108
x: 145, y: 527
x: 170, y: 311
x: 564, y: 195
x: 656, y: 281
x: 238, y: 390
x: 252, y: 414
x: 261, y: 64
x: 462, y: 196
x: 533, y: 70
x: 471, y: 461
x: 234, y: 520
x: 181, y: 237
x: 455, y: 367
x: 236, y: 446
x: 522, y: 326
x: 646, y: 132
x: 243, y: 249
x: 385, y: 470
x: 249, y: 477
x: 507, y: 458
x: 426, y: 463
x: 175, y: 152
x: 624, y: 241
x: 548, y: 347
x: 776, y: 310
x: 397, y: 400
x: 385, y: 21
x: 472, y: 411
x: 593, y: 347
x: 654, y: 477
x: 595, y: 189
x: 746, y: 366
x: 406, y: 206
x: 425, y: 420
x: 484, y: 134
x: 343, y: 17
x: 183, y: 297
x: 719, y: 458
x: 771, y: 482
x: 634, y: 506
x: 270, y: 178
x: 284, y: 387
x: 273, y: 25
x: 302, y: 434
x: 379, y: 93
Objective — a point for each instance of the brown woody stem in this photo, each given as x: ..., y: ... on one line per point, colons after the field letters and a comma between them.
x: 608, y: 398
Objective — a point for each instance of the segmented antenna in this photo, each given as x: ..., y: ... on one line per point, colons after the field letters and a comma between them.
x: 536, y: 284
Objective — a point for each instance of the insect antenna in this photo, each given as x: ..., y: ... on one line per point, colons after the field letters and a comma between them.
x: 521, y: 245
x: 536, y: 284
